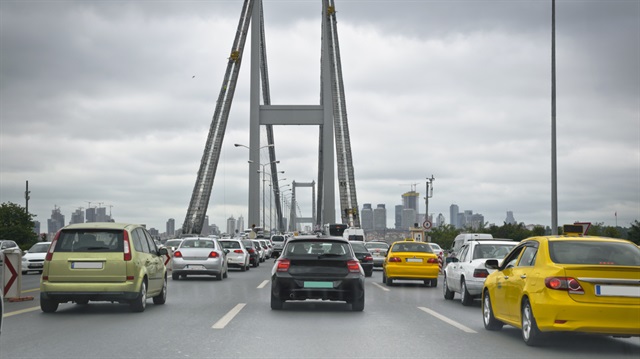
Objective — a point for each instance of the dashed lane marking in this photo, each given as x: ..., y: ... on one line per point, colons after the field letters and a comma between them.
x: 263, y: 284
x: 381, y: 287
x: 447, y: 320
x: 220, y: 324
x: 21, y: 311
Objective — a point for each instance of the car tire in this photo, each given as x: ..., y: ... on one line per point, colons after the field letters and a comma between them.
x: 24, y: 272
x: 530, y: 332
x: 255, y: 263
x: 357, y: 303
x: 244, y: 268
x: 48, y: 305
x: 139, y: 304
x: 175, y: 276
x: 389, y: 282
x: 489, y: 320
x: 219, y: 276
x: 226, y: 273
x: 384, y: 278
x: 434, y: 282
x: 369, y: 273
x: 276, y: 303
x: 448, y: 294
x: 465, y: 297
x: 162, y: 297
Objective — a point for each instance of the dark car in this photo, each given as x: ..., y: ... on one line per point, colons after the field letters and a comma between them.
x: 320, y: 267
x: 254, y: 255
x: 364, y: 256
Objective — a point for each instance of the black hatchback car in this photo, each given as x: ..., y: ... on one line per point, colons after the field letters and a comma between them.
x: 364, y: 256
x: 320, y: 267
x: 254, y: 255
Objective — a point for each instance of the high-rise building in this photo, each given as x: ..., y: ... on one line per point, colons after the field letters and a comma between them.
x: 411, y: 200
x: 205, y: 227
x: 380, y: 218
x: 171, y: 227
x: 101, y: 215
x: 240, y: 224
x: 408, y: 218
x: 366, y: 217
x: 454, y: 210
x: 77, y: 216
x: 36, y: 227
x: 231, y: 226
x: 510, y: 219
x: 56, y: 222
x: 90, y: 215
x: 440, y: 220
x: 398, y: 217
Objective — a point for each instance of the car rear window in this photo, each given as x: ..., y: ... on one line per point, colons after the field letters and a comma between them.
x: 230, y: 244
x: 316, y: 248
x: 594, y: 252
x: 90, y: 240
x: 412, y: 247
x: 277, y: 238
x: 377, y: 245
x: 197, y: 243
x: 359, y: 247
x: 482, y: 251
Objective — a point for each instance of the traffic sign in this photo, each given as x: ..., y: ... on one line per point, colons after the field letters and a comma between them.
x: 427, y: 224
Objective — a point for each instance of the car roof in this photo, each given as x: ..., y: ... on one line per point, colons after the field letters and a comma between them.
x: 311, y: 237
x: 101, y: 225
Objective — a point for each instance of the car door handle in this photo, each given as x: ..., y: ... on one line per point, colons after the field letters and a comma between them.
x: 524, y: 276
x: 506, y: 277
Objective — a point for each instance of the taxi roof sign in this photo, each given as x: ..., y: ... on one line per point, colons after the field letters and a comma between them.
x: 576, y: 229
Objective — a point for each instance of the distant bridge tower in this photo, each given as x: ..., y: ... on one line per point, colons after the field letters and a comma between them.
x: 330, y: 115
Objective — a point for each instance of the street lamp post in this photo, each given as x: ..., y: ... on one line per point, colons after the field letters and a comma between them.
x: 428, y: 194
x: 254, y: 182
x: 263, y: 181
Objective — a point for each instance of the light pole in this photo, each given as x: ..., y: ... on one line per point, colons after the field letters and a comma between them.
x: 428, y: 194
x: 254, y: 182
x: 263, y: 181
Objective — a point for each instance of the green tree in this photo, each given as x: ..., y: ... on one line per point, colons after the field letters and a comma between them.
x: 444, y: 235
x: 634, y: 232
x: 17, y: 225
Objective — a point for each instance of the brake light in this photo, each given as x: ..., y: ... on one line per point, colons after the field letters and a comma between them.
x: 49, y: 255
x: 395, y: 259
x: 569, y: 284
x: 283, y: 265
x: 238, y: 251
x: 177, y: 254
x: 432, y: 260
x: 127, y: 247
x: 251, y: 251
x: 368, y: 258
x: 213, y: 254
x: 353, y: 266
x: 480, y: 273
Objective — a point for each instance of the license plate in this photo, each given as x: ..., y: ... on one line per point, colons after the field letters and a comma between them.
x: 35, y: 265
x: 318, y: 284
x: 86, y: 265
x: 618, y: 291
x: 414, y: 260
x: 195, y: 267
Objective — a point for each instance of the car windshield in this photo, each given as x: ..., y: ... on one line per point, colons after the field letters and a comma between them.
x: 498, y: 251
x: 90, y: 240
x: 594, y: 252
x: 435, y: 246
x: 197, y: 243
x: 230, y: 244
x: 359, y: 247
x: 39, y: 248
x: 318, y: 248
x: 412, y: 247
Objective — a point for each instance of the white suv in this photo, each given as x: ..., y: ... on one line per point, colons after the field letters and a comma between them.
x: 466, y: 273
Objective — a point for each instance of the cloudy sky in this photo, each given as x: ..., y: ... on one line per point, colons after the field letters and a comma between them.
x: 110, y: 102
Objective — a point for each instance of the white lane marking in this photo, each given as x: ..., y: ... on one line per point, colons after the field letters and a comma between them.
x: 381, y: 287
x: 263, y: 284
x: 447, y: 320
x: 21, y: 311
x: 220, y: 324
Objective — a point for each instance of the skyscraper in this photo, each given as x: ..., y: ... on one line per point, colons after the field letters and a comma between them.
x: 411, y: 200
x: 77, y: 216
x: 171, y: 227
x: 240, y: 224
x: 56, y: 222
x: 231, y: 226
x: 380, y: 218
x: 510, y: 219
x: 453, y: 215
x: 398, y: 217
x: 366, y: 217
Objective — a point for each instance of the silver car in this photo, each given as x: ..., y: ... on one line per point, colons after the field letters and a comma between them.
x: 202, y: 256
x: 261, y: 251
x: 378, y: 252
x: 237, y: 255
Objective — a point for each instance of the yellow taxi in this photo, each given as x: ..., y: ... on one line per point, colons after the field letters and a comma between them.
x: 410, y: 260
x: 565, y: 283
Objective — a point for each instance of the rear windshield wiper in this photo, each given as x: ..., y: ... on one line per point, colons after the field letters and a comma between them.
x: 324, y: 255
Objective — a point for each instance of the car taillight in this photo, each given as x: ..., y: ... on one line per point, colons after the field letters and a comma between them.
x: 213, y: 254
x: 432, y: 260
x: 49, y: 255
x: 177, y: 254
x: 239, y: 251
x: 480, y: 273
x: 283, y: 265
x: 564, y: 283
x: 353, y: 266
x: 127, y: 246
x: 368, y: 258
x: 395, y: 259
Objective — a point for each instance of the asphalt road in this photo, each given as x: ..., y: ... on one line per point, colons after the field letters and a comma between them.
x: 205, y: 318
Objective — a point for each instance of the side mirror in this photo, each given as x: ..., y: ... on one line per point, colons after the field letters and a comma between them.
x: 163, y: 251
x: 491, y: 264
x: 226, y: 251
x: 451, y: 260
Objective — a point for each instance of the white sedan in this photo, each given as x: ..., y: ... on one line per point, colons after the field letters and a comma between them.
x: 466, y: 274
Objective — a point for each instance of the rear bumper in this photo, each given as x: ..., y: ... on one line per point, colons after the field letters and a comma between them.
x: 343, y: 289
x: 412, y: 273
x: 69, y: 292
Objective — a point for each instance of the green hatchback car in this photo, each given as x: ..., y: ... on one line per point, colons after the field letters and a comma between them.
x: 103, y: 261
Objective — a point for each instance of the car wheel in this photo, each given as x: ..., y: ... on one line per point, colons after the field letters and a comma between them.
x: 369, y: 273
x: 226, y: 273
x: 48, y: 305
x: 530, y: 332
x: 175, y: 276
x: 244, y: 268
x: 490, y: 322
x: 384, y: 277
x: 448, y: 294
x: 276, y: 303
x: 162, y: 297
x: 466, y: 298
x: 389, y: 282
x: 434, y: 282
x: 24, y: 272
x: 219, y: 276
x: 140, y: 303
x: 357, y: 303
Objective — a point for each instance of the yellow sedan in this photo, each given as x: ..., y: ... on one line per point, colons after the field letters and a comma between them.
x: 565, y: 283
x: 409, y: 260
